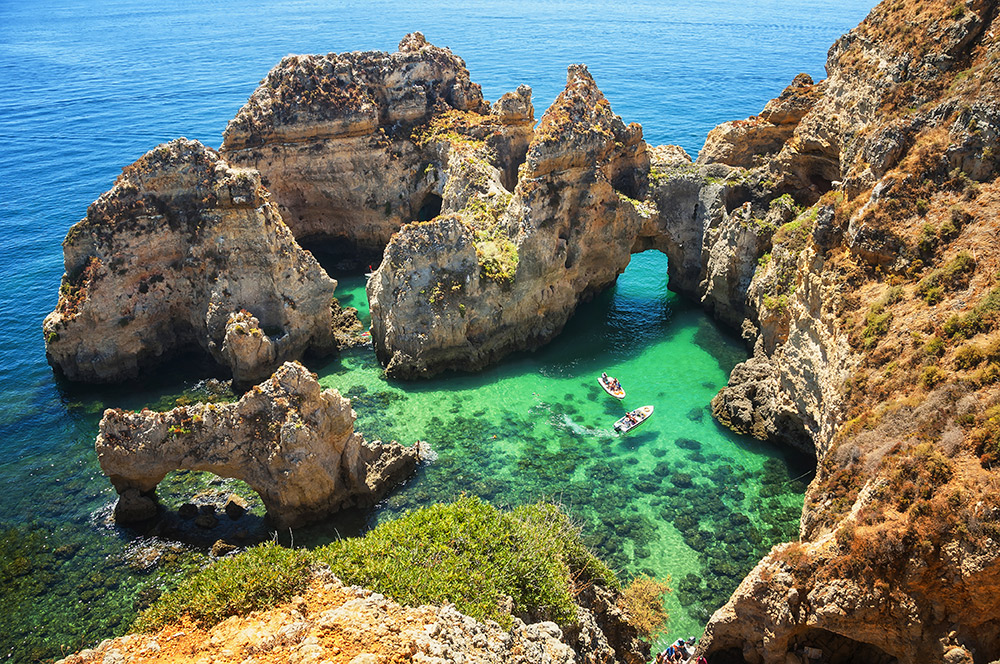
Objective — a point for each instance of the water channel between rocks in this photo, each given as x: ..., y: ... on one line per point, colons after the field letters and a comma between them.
x: 678, y: 496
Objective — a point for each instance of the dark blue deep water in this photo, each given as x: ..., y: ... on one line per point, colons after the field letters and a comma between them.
x: 89, y: 87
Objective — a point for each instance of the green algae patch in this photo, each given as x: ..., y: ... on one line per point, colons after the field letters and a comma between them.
x: 491, y: 564
x: 495, y: 251
x: 256, y: 579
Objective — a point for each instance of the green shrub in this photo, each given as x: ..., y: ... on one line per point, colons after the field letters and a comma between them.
x: 877, y: 322
x: 795, y: 234
x: 992, y: 351
x: 475, y: 556
x: 928, y: 239
x: 982, y: 318
x: 953, y: 275
x: 255, y: 579
x: 948, y: 231
x: 931, y: 376
x: 968, y: 357
x: 934, y: 347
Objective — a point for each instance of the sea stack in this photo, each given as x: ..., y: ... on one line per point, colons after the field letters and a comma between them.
x: 185, y: 252
x: 505, y: 269
x: 344, y: 140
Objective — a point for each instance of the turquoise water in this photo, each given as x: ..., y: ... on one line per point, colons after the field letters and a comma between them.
x: 678, y: 495
x: 89, y: 87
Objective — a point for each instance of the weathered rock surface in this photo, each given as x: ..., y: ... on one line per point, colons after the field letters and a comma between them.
x: 505, y: 270
x: 748, y: 143
x: 333, y: 622
x: 291, y: 441
x: 859, y: 313
x: 185, y: 251
x: 347, y: 142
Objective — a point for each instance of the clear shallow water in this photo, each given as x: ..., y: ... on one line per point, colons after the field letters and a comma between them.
x: 89, y: 88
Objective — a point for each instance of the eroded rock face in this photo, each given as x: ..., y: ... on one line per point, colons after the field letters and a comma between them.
x: 506, y: 270
x: 334, y: 622
x: 185, y: 251
x: 291, y: 441
x: 857, y: 312
x: 348, y: 142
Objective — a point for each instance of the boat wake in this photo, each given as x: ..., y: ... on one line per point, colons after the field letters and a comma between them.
x: 579, y: 430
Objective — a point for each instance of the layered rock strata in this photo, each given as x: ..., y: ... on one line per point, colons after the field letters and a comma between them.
x: 291, y: 441
x: 346, y: 141
x: 334, y: 622
x: 505, y: 270
x: 185, y: 251
x: 873, y: 315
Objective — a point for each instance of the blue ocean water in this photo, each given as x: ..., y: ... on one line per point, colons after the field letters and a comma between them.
x: 89, y: 87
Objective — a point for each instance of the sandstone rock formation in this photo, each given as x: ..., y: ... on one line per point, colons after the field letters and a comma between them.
x: 502, y: 270
x: 347, y: 144
x: 185, y: 251
x: 874, y: 318
x: 292, y: 442
x: 333, y: 622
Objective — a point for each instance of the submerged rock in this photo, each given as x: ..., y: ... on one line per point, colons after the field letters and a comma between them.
x: 292, y: 442
x: 185, y: 251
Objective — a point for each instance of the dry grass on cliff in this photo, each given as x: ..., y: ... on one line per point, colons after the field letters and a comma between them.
x: 928, y: 338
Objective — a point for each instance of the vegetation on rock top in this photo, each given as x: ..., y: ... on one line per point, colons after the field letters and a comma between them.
x: 529, y: 562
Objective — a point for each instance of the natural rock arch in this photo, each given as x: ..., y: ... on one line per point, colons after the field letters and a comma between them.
x: 291, y: 441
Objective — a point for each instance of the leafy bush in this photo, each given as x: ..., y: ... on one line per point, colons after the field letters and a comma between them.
x: 968, y: 357
x: 877, y: 322
x: 982, y: 318
x: 931, y: 376
x: 953, y: 275
x: 986, y: 438
x: 475, y: 556
x: 256, y: 579
x: 643, y: 601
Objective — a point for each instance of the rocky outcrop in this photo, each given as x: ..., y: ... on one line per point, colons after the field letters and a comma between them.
x: 334, y: 622
x: 185, y: 251
x: 506, y: 270
x: 292, y: 442
x: 350, y: 144
x: 876, y: 345
x: 748, y: 143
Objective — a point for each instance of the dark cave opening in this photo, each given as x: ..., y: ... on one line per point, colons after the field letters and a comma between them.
x: 429, y: 208
x: 342, y: 256
x: 820, y: 645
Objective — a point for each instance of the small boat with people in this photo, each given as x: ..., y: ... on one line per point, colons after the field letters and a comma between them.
x: 633, y: 418
x: 611, y: 386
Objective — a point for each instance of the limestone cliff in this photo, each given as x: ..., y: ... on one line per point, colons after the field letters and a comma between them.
x: 292, y: 442
x: 506, y: 269
x: 346, y: 141
x: 875, y: 318
x: 338, y: 623
x: 185, y: 251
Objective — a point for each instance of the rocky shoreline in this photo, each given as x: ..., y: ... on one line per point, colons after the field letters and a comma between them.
x: 848, y: 230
